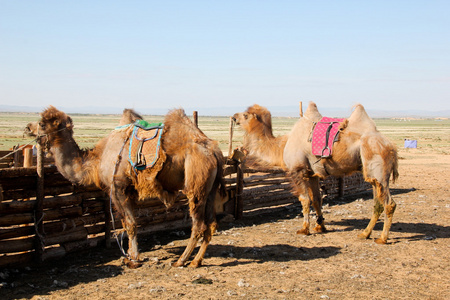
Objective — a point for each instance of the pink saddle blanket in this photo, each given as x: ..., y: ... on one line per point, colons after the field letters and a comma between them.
x: 325, y: 133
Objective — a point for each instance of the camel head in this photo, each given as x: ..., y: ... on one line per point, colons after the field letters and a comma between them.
x: 31, y: 129
x: 52, y: 122
x: 255, y: 119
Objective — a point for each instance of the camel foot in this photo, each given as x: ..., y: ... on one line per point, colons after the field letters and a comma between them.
x: 195, y: 264
x: 132, y: 264
x: 303, y: 231
x: 320, y: 229
x: 363, y: 236
x: 178, y: 264
x: 381, y: 241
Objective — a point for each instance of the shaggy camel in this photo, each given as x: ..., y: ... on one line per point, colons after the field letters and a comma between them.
x: 360, y: 148
x: 189, y: 161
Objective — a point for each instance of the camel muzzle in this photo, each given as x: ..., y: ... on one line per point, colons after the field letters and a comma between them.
x: 235, y: 118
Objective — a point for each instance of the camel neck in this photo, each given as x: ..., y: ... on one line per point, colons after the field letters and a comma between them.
x: 267, y: 148
x: 69, y: 160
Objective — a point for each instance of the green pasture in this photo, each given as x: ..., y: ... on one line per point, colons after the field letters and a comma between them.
x: 432, y: 135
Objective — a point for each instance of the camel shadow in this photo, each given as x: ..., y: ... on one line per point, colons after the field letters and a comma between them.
x: 418, y: 231
x: 259, y: 255
x: 79, y: 268
x: 91, y: 266
x: 365, y: 195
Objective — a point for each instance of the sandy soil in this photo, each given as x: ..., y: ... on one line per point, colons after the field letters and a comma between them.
x: 261, y: 257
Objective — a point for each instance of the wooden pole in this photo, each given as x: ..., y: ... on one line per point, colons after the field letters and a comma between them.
x: 230, y: 141
x: 195, y: 114
x: 27, y: 157
x: 16, y: 156
x: 239, y: 204
x: 301, y: 109
x: 38, y: 212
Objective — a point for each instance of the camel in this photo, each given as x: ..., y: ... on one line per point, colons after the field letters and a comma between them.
x: 361, y: 147
x: 189, y: 162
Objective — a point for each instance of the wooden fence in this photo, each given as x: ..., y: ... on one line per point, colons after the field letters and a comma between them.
x: 43, y: 216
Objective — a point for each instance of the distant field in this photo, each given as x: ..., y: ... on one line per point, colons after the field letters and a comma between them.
x: 432, y: 135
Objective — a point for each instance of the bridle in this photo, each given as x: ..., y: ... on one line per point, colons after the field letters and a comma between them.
x: 46, y: 143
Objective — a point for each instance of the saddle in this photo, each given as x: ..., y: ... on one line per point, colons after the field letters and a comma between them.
x: 145, y: 144
x: 325, y: 133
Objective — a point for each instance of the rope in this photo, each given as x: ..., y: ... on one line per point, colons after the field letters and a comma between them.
x: 36, y: 224
x: 34, y: 140
x: 18, y: 149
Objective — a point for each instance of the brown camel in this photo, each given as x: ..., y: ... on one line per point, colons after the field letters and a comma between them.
x: 189, y: 161
x: 360, y: 148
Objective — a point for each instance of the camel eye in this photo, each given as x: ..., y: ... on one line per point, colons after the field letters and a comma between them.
x: 42, y: 125
x: 246, y: 116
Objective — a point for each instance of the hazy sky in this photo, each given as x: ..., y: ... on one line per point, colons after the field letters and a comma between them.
x: 388, y: 55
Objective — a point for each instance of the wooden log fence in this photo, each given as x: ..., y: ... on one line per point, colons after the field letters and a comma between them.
x: 43, y: 216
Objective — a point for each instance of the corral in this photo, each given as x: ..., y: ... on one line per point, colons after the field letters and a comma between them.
x: 259, y: 255
x: 44, y: 216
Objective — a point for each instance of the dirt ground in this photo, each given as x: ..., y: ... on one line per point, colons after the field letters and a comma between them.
x: 261, y: 257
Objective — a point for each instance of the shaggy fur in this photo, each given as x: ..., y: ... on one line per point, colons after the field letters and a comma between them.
x: 189, y: 161
x: 360, y: 148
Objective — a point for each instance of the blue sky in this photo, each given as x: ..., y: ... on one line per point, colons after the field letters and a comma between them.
x: 389, y: 55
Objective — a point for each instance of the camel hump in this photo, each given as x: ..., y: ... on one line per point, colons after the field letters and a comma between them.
x: 312, y: 112
x: 258, y: 110
x: 360, y: 118
x: 129, y: 116
x: 176, y: 113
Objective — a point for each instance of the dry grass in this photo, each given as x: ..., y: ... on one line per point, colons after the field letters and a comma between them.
x: 432, y: 135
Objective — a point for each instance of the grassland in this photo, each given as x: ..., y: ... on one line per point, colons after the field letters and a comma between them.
x: 432, y: 135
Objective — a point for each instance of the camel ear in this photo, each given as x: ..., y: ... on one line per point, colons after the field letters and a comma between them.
x: 69, y: 124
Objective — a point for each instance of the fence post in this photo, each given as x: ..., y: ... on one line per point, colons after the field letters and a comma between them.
x: 239, y: 203
x: 301, y: 109
x: 230, y: 141
x: 38, y: 211
x: 195, y: 115
x: 27, y: 157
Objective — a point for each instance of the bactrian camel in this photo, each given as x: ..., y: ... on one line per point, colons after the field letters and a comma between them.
x: 190, y: 162
x: 361, y: 147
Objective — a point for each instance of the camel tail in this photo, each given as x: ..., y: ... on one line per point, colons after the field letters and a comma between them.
x: 219, y: 177
x: 395, y: 169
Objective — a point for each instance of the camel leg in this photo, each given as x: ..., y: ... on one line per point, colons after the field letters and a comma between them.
x: 306, y: 202
x: 201, y: 228
x: 383, y: 202
x: 379, y: 160
x: 201, y: 252
x: 302, y: 187
x: 317, y: 204
x: 125, y: 206
x: 389, y: 210
x: 210, y: 222
x: 201, y: 191
x: 377, y: 211
x: 132, y: 261
x: 189, y: 248
x: 197, y: 214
